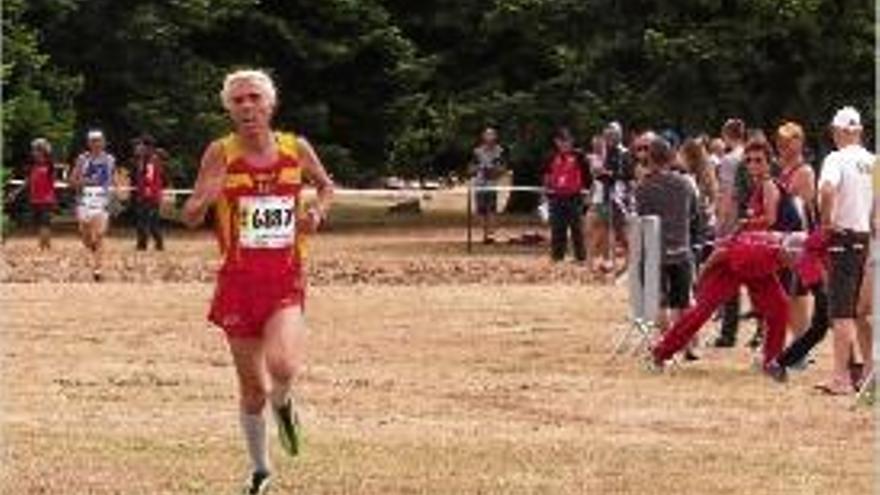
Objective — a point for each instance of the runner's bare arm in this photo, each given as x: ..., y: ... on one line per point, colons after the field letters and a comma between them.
x: 209, y: 185
x: 76, y: 174
x: 317, y: 174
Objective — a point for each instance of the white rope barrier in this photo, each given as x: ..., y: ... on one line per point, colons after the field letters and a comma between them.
x: 382, y: 193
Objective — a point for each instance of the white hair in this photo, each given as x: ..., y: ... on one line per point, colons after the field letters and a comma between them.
x: 256, y: 77
x: 42, y: 144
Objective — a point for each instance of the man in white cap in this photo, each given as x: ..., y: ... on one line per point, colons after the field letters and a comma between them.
x: 845, y: 201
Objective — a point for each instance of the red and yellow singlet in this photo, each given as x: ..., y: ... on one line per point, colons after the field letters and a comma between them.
x: 256, y: 222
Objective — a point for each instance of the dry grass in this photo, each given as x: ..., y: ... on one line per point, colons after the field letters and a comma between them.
x: 491, y: 383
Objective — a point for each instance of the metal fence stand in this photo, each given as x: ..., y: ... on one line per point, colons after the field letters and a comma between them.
x: 643, y: 275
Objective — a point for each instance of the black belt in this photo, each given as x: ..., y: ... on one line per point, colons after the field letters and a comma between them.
x: 848, y: 238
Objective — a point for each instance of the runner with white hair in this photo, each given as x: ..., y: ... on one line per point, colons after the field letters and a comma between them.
x: 253, y: 178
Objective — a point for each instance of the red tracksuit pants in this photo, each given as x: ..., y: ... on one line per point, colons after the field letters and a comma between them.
x: 716, y: 287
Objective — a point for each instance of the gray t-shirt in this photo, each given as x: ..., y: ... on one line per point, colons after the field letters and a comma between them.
x: 727, y: 168
x: 489, y: 161
x: 727, y: 194
x: 671, y: 197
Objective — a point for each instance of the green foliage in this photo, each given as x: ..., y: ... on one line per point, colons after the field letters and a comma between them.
x: 37, y: 97
x: 395, y: 86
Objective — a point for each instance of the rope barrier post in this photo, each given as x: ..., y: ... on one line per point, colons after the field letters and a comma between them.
x: 651, y: 250
x: 643, y: 269
x: 470, y: 216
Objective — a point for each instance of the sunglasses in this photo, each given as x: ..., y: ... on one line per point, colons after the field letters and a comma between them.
x: 755, y: 159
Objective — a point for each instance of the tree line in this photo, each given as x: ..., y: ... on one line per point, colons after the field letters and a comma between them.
x: 396, y: 86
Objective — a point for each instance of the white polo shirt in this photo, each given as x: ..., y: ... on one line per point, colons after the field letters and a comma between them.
x: 849, y: 171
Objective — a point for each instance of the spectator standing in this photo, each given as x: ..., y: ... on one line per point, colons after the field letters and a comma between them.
x: 668, y: 195
x: 566, y: 173
x: 617, y: 178
x: 487, y: 168
x: 798, y: 180
x: 845, y: 202
x: 698, y: 165
x: 41, y: 189
x: 733, y: 133
x: 149, y: 181
x: 597, y: 215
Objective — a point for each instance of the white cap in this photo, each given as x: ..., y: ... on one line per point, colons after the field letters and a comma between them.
x: 95, y: 134
x: 615, y: 127
x: 847, y: 118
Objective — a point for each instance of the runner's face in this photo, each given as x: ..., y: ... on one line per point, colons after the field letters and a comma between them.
x: 96, y: 145
x: 249, y: 108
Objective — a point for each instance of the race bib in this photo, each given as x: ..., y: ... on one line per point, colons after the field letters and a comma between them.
x: 267, y: 222
x: 94, y: 199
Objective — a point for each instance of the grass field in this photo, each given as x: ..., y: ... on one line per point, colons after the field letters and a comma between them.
x: 431, y: 371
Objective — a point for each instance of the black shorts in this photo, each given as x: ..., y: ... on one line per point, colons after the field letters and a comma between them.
x: 676, y: 280
x: 487, y: 202
x: 847, y: 253
x: 792, y: 283
x: 42, y: 215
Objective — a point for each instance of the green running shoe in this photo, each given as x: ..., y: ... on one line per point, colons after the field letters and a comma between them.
x: 288, y: 427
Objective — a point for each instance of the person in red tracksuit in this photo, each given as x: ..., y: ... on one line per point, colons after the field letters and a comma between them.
x: 565, y: 175
x: 753, y: 259
x: 149, y: 179
x: 41, y: 189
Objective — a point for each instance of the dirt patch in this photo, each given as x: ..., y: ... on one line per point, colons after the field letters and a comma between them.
x: 485, y: 383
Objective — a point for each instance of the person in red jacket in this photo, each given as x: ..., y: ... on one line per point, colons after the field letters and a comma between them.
x: 149, y: 181
x: 565, y: 175
x: 41, y: 189
x: 753, y: 259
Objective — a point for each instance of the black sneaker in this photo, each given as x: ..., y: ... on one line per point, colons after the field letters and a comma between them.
x: 756, y: 340
x: 690, y: 355
x: 258, y: 484
x: 776, y: 371
x: 724, y: 341
x: 288, y: 427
